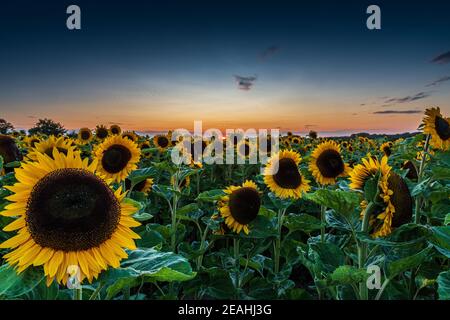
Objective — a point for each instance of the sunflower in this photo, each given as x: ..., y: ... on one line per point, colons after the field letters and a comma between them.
x: 84, y: 136
x: 438, y: 127
x: 130, y: 135
x: 240, y: 206
x: 115, y: 129
x: 296, y: 140
x: 283, y: 177
x: 66, y: 216
x: 31, y: 141
x: 369, y: 168
x: 9, y: 150
x: 144, y: 186
x: 181, y: 184
x: 145, y: 145
x: 396, y: 208
x: 101, y: 132
x: 161, y: 141
x: 46, y: 147
x: 326, y: 163
x: 117, y: 157
x: 386, y: 148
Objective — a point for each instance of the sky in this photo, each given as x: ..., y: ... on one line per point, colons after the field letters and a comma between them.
x: 289, y: 65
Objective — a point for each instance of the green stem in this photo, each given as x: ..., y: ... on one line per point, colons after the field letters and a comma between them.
x: 97, y: 291
x: 277, y: 244
x: 419, y: 179
x: 236, y: 265
x: 322, y: 220
x: 202, y: 247
x: 362, y: 248
x: 174, y: 223
x: 78, y: 294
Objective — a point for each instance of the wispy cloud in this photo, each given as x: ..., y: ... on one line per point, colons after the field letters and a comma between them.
x: 269, y: 52
x: 438, y: 81
x: 398, y: 112
x: 415, y: 97
x: 310, y: 126
x: 245, y: 83
x: 442, y: 59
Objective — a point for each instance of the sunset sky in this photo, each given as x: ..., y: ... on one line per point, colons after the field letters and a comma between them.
x: 159, y: 65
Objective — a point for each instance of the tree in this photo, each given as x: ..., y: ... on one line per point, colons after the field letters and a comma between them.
x: 5, y: 126
x: 312, y: 134
x: 47, y: 127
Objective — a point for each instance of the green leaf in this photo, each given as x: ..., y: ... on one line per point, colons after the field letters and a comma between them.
x: 371, y: 188
x: 210, y: 196
x: 13, y: 164
x: 139, y: 206
x: 343, y: 202
x: 140, y: 175
x: 1, y: 163
x: 447, y: 219
x: 443, y: 281
x: 441, y: 239
x: 142, y: 216
x: 280, y: 204
x: 398, y: 266
x: 190, y: 212
x: 303, y: 222
x: 15, y: 285
x: 163, y: 191
x: 147, y: 265
x: 440, y: 172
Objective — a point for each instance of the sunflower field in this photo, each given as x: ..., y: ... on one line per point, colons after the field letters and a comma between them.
x: 105, y: 214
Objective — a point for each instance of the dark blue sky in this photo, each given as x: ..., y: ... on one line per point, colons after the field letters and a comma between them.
x: 160, y: 64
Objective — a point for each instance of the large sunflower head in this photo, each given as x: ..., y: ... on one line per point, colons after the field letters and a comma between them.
x: 438, y: 127
x: 240, y: 206
x: 117, y: 157
x: 326, y: 163
x: 8, y: 149
x: 369, y: 168
x: 162, y: 142
x: 283, y: 176
x: 84, y: 136
x: 115, y: 129
x: 66, y: 216
x: 101, y: 132
x: 46, y: 147
x: 396, y: 208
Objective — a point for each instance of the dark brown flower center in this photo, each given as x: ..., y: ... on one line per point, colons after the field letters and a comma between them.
x: 101, y: 133
x: 330, y: 164
x: 287, y: 176
x: 163, y: 142
x: 442, y: 128
x: 9, y: 150
x: 115, y: 158
x: 72, y: 210
x: 387, y: 150
x: 85, y: 135
x: 244, y: 205
x: 115, y: 130
x: 412, y: 171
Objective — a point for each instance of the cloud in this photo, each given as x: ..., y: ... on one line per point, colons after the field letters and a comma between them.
x: 269, y: 52
x: 417, y: 96
x: 442, y: 59
x: 398, y: 112
x: 438, y: 81
x: 310, y: 126
x: 31, y: 117
x: 245, y: 83
x: 362, y: 104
